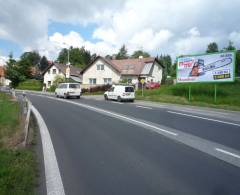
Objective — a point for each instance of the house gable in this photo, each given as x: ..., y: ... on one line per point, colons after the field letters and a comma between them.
x: 156, y: 72
x: 99, y: 70
x: 50, y: 75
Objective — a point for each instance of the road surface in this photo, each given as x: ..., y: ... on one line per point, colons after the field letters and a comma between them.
x: 99, y: 152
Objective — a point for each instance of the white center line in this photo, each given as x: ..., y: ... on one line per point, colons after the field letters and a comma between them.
x: 144, y: 107
x: 209, y: 119
x: 226, y: 152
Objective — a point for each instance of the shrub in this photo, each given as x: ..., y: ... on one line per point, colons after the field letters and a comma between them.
x: 99, y: 88
x: 31, y: 84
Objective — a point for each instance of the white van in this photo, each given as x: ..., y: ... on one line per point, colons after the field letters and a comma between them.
x: 120, y: 93
x: 67, y: 90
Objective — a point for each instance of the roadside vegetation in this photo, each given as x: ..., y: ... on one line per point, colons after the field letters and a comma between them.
x: 17, y: 164
x: 228, y: 95
x: 30, y: 84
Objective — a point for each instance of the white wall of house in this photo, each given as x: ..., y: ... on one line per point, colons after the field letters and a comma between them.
x: 107, y: 74
x: 2, y: 80
x: 156, y: 73
x: 49, y: 76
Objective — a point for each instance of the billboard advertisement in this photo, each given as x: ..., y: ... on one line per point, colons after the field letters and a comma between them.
x: 216, y: 67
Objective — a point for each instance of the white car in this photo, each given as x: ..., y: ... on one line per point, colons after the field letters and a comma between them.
x: 67, y: 90
x: 120, y: 93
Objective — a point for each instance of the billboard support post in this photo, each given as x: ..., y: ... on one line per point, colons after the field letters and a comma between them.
x: 215, y: 93
x: 189, y: 93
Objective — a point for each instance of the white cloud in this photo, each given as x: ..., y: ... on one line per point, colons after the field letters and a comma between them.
x: 149, y: 40
x: 51, y: 46
x: 107, y: 35
x: 194, y: 32
x: 193, y: 43
x: 235, y: 37
x: 3, y: 60
x: 158, y: 26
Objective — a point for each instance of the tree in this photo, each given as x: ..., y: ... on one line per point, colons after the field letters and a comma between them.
x: 138, y: 53
x: 43, y: 63
x: 237, y: 69
x: 108, y: 57
x: 212, y: 47
x: 166, y: 60
x: 12, y: 72
x: 79, y: 57
x: 32, y: 57
x: 122, y: 54
x: 58, y: 79
x: 230, y: 47
x: 173, y: 69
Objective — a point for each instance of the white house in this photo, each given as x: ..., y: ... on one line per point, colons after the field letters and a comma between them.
x: 3, y: 80
x: 104, y: 71
x: 54, y: 69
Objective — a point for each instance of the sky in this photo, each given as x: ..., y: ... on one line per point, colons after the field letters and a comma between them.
x: 102, y: 26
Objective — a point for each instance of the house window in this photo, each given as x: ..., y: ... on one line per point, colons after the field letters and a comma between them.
x: 49, y: 83
x: 100, y: 67
x: 48, y: 71
x: 107, y: 81
x: 129, y: 80
x: 54, y: 71
x: 92, y: 81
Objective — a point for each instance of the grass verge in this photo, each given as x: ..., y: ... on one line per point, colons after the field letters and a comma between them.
x: 31, y: 84
x: 17, y: 165
x: 228, y: 95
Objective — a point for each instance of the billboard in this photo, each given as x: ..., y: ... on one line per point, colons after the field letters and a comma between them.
x: 216, y: 67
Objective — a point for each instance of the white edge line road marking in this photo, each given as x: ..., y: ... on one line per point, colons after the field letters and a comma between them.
x: 226, y: 152
x: 144, y: 107
x: 54, y: 183
x: 209, y: 119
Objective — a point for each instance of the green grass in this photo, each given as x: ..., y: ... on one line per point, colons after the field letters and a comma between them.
x: 10, y: 123
x: 30, y: 84
x: 228, y: 95
x: 17, y: 165
x: 17, y: 172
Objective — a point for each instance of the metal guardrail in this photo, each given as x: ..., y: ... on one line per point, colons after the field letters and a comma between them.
x: 27, y: 110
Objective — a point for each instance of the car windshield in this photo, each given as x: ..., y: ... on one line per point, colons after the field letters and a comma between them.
x: 74, y: 86
x: 129, y: 89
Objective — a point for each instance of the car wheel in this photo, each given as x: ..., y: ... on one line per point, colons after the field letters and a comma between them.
x: 65, y: 96
x: 119, y: 99
x: 105, y: 97
x: 132, y: 100
x: 78, y: 97
x: 56, y: 95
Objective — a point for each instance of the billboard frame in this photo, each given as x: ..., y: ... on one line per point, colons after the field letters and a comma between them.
x: 205, y: 54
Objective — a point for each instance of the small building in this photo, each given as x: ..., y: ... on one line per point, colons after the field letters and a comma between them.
x: 50, y: 73
x: 105, y: 71
x: 3, y: 80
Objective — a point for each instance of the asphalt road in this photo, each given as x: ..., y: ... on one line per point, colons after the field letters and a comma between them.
x: 101, y: 155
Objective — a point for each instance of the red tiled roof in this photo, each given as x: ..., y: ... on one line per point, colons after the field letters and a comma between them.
x: 126, y: 66
x: 62, y: 67
x: 131, y: 66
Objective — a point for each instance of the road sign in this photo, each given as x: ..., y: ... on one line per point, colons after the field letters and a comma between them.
x: 142, y: 81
